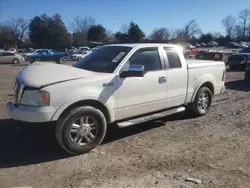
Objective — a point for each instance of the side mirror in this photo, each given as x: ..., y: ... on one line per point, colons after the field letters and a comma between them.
x: 133, y: 71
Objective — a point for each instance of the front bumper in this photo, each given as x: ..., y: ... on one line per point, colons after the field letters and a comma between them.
x: 30, y: 113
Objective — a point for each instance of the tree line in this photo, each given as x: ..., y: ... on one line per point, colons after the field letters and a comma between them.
x: 44, y: 31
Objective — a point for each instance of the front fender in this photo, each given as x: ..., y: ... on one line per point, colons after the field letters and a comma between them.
x: 65, y: 105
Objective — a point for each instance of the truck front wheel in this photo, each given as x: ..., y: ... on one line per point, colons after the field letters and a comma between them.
x: 202, y: 102
x: 81, y: 129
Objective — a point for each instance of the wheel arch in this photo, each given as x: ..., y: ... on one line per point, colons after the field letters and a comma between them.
x: 208, y: 84
x: 105, y: 109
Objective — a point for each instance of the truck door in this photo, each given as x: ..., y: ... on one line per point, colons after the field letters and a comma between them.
x: 177, y: 77
x: 140, y: 95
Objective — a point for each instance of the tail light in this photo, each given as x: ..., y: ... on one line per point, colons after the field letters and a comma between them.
x: 224, y: 75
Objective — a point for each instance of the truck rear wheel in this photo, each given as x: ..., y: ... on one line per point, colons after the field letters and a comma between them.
x: 202, y: 102
x: 81, y: 129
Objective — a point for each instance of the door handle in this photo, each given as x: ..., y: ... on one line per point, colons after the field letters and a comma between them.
x: 162, y: 79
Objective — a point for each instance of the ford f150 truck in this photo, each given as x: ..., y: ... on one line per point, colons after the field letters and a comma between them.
x: 124, y: 84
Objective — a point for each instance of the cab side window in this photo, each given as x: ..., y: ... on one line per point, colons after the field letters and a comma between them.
x: 173, y: 58
x: 148, y: 57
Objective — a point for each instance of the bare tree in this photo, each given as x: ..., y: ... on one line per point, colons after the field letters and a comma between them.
x: 238, y: 31
x: 18, y: 28
x: 191, y: 29
x: 248, y: 30
x: 110, y: 35
x: 216, y: 35
x: 229, y: 24
x: 173, y: 33
x: 160, y: 34
x: 82, y: 25
x: 244, y: 16
x: 124, y: 28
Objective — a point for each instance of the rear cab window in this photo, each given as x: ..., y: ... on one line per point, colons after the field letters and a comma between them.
x: 173, y: 58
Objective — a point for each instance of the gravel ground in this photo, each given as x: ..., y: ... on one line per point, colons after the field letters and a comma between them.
x: 213, y: 149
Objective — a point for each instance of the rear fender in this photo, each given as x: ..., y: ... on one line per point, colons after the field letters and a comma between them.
x: 202, y: 80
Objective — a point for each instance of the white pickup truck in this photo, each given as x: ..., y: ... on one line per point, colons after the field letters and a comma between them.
x: 124, y: 84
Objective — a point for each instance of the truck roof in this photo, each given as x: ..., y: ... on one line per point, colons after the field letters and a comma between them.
x: 132, y: 45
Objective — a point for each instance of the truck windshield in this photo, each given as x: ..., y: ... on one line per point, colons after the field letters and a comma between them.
x: 104, y: 59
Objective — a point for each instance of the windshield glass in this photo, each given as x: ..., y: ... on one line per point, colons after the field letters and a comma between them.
x: 104, y: 59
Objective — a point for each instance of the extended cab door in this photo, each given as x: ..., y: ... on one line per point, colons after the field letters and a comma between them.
x: 177, y: 76
x: 140, y: 95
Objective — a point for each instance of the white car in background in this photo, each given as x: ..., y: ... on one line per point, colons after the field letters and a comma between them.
x: 83, y: 48
x: 10, y: 57
x: 80, y: 55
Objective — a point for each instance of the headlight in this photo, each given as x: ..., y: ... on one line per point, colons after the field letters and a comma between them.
x: 35, y: 98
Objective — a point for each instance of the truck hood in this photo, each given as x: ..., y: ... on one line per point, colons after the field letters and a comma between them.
x: 41, y: 74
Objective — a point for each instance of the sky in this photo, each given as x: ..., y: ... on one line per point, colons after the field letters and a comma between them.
x: 148, y: 14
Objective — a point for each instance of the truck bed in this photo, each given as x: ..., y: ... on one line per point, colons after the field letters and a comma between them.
x: 193, y: 63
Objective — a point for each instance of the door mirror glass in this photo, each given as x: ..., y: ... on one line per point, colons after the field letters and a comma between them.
x: 133, y: 71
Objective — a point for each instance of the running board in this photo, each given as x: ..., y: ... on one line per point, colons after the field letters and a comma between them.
x: 150, y: 117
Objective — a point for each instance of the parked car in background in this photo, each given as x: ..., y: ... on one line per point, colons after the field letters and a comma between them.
x: 198, y: 45
x: 192, y: 52
x: 203, y: 44
x: 247, y: 71
x: 80, y: 55
x: 11, y: 48
x: 37, y: 51
x: 122, y: 84
x: 238, y: 60
x: 186, y: 46
x: 47, y: 55
x: 243, y: 44
x: 83, y: 48
x: 10, y: 57
x: 233, y: 45
x: 245, y: 50
x: 212, y: 44
x: 67, y: 54
x: 20, y: 50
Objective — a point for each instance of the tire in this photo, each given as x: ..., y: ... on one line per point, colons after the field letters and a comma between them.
x: 79, y: 59
x: 60, y: 61
x: 198, y: 108
x: 66, y: 132
x: 32, y: 61
x: 16, y: 61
